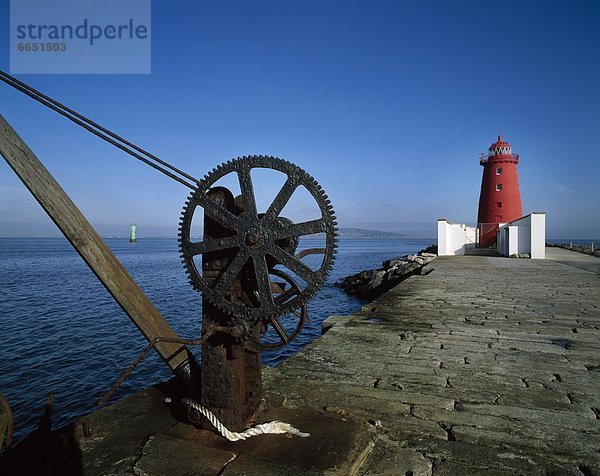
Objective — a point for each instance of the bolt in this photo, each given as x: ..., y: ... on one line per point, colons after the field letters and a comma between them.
x: 252, y: 238
x: 239, y: 330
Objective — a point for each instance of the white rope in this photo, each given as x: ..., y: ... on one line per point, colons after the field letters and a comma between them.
x: 274, y: 427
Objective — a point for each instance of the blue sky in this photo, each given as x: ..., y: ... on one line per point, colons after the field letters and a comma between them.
x: 386, y: 103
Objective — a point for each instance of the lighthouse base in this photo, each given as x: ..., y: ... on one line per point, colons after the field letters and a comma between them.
x: 488, y: 234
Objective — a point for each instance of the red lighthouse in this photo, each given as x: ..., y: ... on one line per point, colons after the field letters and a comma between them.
x: 500, y: 199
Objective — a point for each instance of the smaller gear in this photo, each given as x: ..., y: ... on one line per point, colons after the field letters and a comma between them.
x: 285, y: 328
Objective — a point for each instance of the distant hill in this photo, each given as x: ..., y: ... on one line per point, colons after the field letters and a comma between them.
x: 362, y: 233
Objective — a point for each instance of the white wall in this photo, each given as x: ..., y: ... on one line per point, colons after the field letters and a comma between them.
x: 524, y: 238
x: 538, y: 235
x: 527, y: 235
x: 471, y: 236
x: 455, y: 238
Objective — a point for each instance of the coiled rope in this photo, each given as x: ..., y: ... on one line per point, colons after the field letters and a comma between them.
x: 274, y: 427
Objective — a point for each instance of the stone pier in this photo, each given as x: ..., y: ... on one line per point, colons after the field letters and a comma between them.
x: 487, y: 365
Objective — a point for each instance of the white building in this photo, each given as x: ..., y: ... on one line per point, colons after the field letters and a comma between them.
x: 524, y: 237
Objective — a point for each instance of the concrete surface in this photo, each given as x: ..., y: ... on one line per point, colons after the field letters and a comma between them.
x: 143, y: 435
x: 485, y: 366
x: 572, y: 258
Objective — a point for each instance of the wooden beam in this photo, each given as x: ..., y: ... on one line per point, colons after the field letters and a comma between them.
x: 90, y: 246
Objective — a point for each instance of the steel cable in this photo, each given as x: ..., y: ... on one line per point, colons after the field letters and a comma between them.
x: 101, y: 132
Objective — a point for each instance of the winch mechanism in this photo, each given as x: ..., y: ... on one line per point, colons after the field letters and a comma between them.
x: 244, y: 260
x: 255, y: 274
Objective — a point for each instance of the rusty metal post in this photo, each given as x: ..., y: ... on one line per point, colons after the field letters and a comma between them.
x: 231, y: 373
x: 7, y: 425
x: 92, y: 249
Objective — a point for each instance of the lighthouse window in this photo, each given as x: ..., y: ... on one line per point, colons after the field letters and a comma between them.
x: 499, y: 171
x: 499, y: 204
x: 498, y: 187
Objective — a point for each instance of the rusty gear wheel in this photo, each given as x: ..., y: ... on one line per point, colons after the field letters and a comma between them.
x: 258, y: 241
x: 285, y: 328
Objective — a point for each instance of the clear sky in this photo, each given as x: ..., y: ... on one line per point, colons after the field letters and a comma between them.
x: 386, y: 103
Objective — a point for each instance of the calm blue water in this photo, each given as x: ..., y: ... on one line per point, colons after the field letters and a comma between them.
x: 63, y: 334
